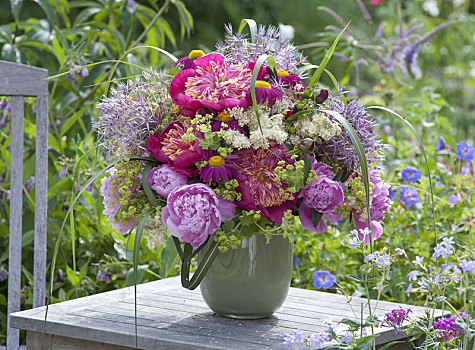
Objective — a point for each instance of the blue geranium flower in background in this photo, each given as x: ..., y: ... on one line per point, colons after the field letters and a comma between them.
x: 465, y: 152
x: 465, y: 170
x: 441, y: 144
x: 392, y: 194
x: 410, y: 174
x: 323, y: 279
x: 409, y: 196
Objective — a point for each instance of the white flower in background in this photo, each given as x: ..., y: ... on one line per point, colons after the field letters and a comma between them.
x: 430, y: 6
x: 288, y: 31
x: 458, y: 3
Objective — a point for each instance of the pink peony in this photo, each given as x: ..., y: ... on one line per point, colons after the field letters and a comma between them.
x: 192, y: 213
x: 164, y: 179
x: 214, y: 83
x: 170, y: 147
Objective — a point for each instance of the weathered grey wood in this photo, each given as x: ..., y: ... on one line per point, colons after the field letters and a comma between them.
x: 18, y: 80
x: 170, y: 317
x: 21, y: 80
x: 50, y: 342
x: 41, y: 200
x: 16, y: 192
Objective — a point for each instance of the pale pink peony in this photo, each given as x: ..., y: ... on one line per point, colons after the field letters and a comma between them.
x: 192, y: 213
x: 163, y: 180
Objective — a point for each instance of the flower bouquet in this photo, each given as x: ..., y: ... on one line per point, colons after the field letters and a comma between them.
x: 235, y: 145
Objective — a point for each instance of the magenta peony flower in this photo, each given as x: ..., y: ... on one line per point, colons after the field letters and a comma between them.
x: 170, y: 147
x: 215, y: 83
x: 218, y: 168
x: 259, y: 191
x: 163, y: 180
x: 192, y: 213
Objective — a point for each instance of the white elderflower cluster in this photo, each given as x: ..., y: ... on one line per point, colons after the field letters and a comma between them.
x: 157, y: 232
x: 272, y: 129
x: 236, y: 140
x: 317, y: 126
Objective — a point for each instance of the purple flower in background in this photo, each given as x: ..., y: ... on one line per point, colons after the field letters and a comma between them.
x: 83, y: 72
x: 448, y: 241
x: 418, y: 260
x: 163, y: 180
x: 63, y: 171
x: 409, y: 196
x: 408, y: 290
x: 442, y: 250
x: 392, y: 194
x: 465, y: 152
x: 317, y: 341
x: 453, y: 198
x: 323, y: 279
x: 354, y: 242
x: 295, y: 261
x: 467, y: 265
x: 3, y: 275
x: 300, y: 336
x: 105, y: 276
x: 395, y: 318
x: 192, y: 213
x: 447, y: 324
x: 412, y: 276
x: 441, y: 144
x: 347, y: 337
x: 465, y: 170
x: 29, y: 184
x: 410, y: 174
x: 131, y: 6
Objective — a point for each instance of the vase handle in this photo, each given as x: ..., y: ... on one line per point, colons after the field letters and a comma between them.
x: 187, y: 254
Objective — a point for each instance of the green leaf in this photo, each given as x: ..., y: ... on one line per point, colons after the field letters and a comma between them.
x: 129, y: 277
x: 316, y: 217
x: 46, y: 6
x: 10, y: 53
x: 168, y: 258
x: 252, y: 28
x: 16, y: 9
x: 186, y: 19
x: 350, y: 322
x: 73, y: 276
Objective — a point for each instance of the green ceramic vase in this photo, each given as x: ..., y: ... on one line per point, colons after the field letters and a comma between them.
x: 251, y: 281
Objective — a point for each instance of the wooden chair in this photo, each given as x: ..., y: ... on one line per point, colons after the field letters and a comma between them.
x: 19, y: 81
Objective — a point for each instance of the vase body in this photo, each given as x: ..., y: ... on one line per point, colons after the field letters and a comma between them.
x: 251, y: 281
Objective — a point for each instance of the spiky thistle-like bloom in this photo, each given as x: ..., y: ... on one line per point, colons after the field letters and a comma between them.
x: 127, y: 117
x: 237, y: 48
x: 340, y: 148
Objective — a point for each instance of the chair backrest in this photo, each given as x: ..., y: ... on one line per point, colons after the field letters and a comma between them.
x: 19, y: 81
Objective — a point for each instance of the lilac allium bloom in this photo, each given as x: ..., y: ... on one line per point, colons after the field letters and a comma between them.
x: 408, y: 290
x: 163, y: 180
x: 465, y: 152
x: 410, y: 174
x: 323, y: 279
x: 453, y: 198
x: 465, y: 170
x: 412, y: 276
x: 3, y: 275
x: 467, y: 265
x: 192, y: 213
x: 409, y: 195
x: 441, y: 144
x: 418, y: 260
x: 105, y: 276
x: 443, y: 251
x: 392, y: 194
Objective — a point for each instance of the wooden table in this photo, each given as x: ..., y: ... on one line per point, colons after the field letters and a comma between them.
x: 171, y: 317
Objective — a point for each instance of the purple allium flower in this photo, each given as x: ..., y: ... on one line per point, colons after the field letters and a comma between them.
x: 410, y: 174
x: 131, y: 113
x: 192, y: 213
x: 408, y: 290
x: 410, y: 196
x: 418, y: 260
x: 340, y: 147
x: 163, y: 180
x: 131, y: 6
x: 392, y: 193
x: 105, y: 276
x: 269, y: 40
x: 453, y: 198
x: 218, y: 168
x: 448, y: 326
x: 465, y: 170
x: 441, y: 250
x: 3, y: 275
x: 441, y: 144
x: 323, y: 279
x: 467, y: 265
x: 465, y: 152
x: 265, y: 92
x: 412, y: 276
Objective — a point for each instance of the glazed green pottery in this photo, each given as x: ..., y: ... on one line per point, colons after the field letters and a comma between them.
x: 251, y: 281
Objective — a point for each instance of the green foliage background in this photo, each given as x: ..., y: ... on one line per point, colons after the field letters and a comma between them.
x: 57, y: 34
